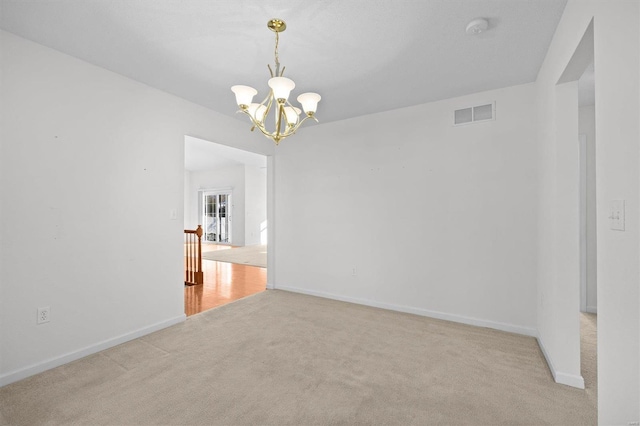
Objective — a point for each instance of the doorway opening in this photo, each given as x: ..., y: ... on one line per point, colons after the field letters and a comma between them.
x: 216, y: 214
x: 225, y: 192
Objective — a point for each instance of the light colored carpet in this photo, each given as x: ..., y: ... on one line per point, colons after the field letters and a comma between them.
x: 247, y: 255
x: 588, y: 355
x: 279, y: 358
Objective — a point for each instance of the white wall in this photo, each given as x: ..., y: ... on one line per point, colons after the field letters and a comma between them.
x: 233, y: 178
x: 436, y: 219
x: 91, y: 165
x: 190, y: 214
x: 255, y: 205
x: 587, y: 127
x: 617, y: 54
x: 559, y: 329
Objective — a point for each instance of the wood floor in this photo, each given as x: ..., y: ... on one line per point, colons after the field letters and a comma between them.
x: 223, y: 283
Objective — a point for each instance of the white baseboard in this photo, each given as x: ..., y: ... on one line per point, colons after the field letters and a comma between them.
x: 592, y: 309
x: 25, y: 372
x: 560, y: 377
x: 419, y: 311
x: 271, y: 286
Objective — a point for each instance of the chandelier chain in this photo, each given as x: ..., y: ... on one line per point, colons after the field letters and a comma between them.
x: 275, y: 52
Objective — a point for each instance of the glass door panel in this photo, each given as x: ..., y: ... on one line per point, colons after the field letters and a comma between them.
x: 216, y: 217
x: 223, y: 228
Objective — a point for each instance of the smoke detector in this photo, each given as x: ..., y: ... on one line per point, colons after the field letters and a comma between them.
x: 477, y: 26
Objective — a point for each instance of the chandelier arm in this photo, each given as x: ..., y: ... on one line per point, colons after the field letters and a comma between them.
x: 266, y: 112
x: 276, y: 136
x: 286, y: 119
x: 253, y: 121
x: 288, y: 125
x: 295, y: 128
x: 292, y: 129
x: 289, y: 104
x: 265, y: 132
x: 280, y: 112
x: 269, y: 98
x: 258, y: 125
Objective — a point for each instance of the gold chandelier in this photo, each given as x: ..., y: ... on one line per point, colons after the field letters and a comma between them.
x: 287, y: 117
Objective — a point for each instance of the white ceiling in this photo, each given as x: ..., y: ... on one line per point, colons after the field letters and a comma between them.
x: 362, y: 56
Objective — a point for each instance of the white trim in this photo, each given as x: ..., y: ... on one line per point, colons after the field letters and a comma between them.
x: 558, y: 376
x: 271, y: 222
x: 214, y: 243
x: 31, y: 370
x: 216, y: 191
x: 419, y: 311
x: 582, y: 148
x: 592, y: 309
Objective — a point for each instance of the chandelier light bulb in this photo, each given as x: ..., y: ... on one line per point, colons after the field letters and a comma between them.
x: 309, y: 102
x: 281, y: 87
x: 244, y: 95
x: 292, y: 114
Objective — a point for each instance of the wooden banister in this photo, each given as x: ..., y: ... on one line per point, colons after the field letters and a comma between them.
x: 193, y: 256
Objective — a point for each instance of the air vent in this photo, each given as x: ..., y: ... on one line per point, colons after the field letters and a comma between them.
x: 474, y: 114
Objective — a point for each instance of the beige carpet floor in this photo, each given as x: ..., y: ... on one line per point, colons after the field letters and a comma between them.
x: 588, y: 352
x: 280, y: 358
x: 255, y: 255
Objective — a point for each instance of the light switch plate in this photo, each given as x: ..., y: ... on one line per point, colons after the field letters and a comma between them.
x: 616, y: 215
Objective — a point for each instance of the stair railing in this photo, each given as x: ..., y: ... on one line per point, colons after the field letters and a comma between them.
x: 193, y: 256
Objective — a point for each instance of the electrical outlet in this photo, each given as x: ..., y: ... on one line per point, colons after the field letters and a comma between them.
x: 44, y: 315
